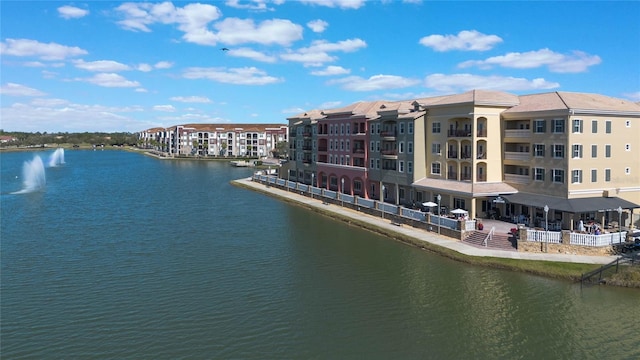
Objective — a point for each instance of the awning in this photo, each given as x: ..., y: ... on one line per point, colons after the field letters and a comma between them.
x: 571, y: 205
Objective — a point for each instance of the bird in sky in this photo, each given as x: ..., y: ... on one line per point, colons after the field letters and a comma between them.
x: 224, y: 49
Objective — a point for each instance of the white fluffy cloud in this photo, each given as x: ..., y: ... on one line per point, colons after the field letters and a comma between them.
x: 72, y: 12
x: 466, y: 40
x: 101, y: 65
x: 252, y: 54
x: 331, y: 70
x: 110, y: 80
x: 466, y: 82
x: 235, y: 31
x: 318, y: 53
x: 12, y: 89
x: 238, y: 76
x: 376, y: 82
x: 191, y: 99
x: 577, y: 61
x: 343, y: 4
x: 43, y: 51
x: 317, y: 26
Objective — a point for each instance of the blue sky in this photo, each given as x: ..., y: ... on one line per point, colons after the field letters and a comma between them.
x: 129, y: 66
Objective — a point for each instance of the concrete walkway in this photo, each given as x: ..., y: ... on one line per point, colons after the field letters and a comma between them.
x: 424, y: 235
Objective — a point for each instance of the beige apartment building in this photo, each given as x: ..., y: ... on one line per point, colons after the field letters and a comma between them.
x: 494, y: 154
x: 216, y: 140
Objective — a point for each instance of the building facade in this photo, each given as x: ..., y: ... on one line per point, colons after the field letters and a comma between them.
x: 216, y: 140
x: 491, y: 153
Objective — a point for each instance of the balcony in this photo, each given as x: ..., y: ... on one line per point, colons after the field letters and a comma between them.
x: 516, y: 179
x: 322, y: 148
x: 306, y: 134
x: 388, y: 135
x: 459, y: 133
x: 389, y: 154
x: 452, y: 175
x: 452, y: 155
x: 358, y: 151
x: 521, y: 156
x: 517, y: 133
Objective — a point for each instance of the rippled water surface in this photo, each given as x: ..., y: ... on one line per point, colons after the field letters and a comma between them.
x: 126, y: 256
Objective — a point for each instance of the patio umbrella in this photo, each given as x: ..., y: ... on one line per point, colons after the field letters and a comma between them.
x: 458, y: 211
x: 429, y: 204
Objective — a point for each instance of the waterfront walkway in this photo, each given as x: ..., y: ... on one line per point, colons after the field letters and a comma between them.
x: 423, y: 235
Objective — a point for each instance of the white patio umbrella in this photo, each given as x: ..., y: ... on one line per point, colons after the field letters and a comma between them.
x: 458, y: 211
x: 429, y: 204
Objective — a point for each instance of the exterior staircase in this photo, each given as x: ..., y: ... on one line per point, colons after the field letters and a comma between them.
x: 497, y: 242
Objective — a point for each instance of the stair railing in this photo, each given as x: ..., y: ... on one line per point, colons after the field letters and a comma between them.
x: 489, y: 236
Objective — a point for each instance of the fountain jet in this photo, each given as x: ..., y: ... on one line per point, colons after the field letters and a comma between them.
x: 57, y: 158
x: 33, y: 176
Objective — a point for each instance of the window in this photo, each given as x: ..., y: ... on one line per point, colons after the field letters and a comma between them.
x: 558, y: 175
x: 558, y: 126
x: 594, y: 175
x: 341, y: 144
x: 409, y: 167
x: 538, y: 150
x: 594, y: 151
x: 341, y: 129
x: 377, y: 128
x: 558, y: 151
x: 372, y: 164
x: 607, y: 175
x: 538, y: 174
x: 410, y: 147
x: 357, y: 185
x: 539, y: 126
x: 410, y: 128
x: 401, y: 147
x: 348, y: 129
x: 577, y: 126
x: 401, y: 128
x: 435, y: 128
x: 607, y: 126
x: 435, y: 148
x: 377, y: 163
x: 435, y: 168
x: 373, y: 129
x: 401, y: 167
x: 594, y: 126
x: 577, y: 151
x: 607, y: 151
x: 373, y: 189
x: 373, y: 145
x: 378, y: 146
x: 576, y: 176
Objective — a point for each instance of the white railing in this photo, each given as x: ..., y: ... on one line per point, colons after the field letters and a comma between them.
x: 552, y: 237
x: 489, y: 236
x: 597, y: 240
x: 468, y: 225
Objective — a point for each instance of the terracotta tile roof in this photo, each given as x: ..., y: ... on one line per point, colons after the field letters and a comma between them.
x: 479, y: 97
x: 561, y: 100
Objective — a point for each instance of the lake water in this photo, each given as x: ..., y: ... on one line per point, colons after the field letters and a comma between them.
x: 121, y: 255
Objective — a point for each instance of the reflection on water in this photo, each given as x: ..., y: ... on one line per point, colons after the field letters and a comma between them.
x: 125, y: 256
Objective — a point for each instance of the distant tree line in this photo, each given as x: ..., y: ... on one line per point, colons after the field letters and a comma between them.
x: 22, y: 139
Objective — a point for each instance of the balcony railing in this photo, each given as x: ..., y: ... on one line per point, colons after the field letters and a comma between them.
x: 322, y: 148
x: 459, y: 133
x: 452, y: 176
x: 452, y: 155
x: 524, y: 156
x: 358, y: 151
x: 518, y: 133
x: 481, y: 133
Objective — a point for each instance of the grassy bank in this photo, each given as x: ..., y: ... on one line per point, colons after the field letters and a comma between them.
x: 558, y: 270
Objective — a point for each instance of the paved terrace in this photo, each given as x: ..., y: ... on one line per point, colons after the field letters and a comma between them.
x: 423, y: 235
